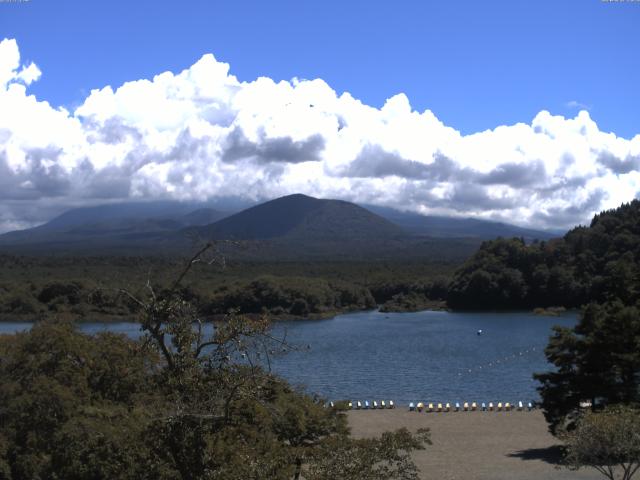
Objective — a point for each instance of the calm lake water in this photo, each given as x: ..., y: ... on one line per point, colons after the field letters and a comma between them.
x: 407, y: 357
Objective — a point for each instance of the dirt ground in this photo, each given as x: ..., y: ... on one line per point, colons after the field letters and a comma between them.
x: 476, y: 445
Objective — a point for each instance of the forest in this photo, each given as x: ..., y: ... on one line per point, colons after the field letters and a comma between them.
x: 598, y: 263
x: 89, y: 288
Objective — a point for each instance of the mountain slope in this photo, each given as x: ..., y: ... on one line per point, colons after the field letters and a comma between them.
x: 301, y: 218
x: 437, y: 226
x: 135, y: 226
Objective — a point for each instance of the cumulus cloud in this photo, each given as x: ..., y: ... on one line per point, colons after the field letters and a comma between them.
x: 201, y: 134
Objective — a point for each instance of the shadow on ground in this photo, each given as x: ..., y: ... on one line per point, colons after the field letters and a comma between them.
x: 552, y: 455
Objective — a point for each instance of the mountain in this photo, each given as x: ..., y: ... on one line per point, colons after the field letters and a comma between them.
x: 437, y: 226
x: 299, y: 217
x: 113, y: 228
x: 291, y: 227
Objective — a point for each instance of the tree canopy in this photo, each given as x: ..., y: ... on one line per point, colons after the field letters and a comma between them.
x: 598, y: 263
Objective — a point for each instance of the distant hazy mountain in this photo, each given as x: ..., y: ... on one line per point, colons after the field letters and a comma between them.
x: 303, y: 218
x: 436, y: 226
x: 115, y: 227
x: 295, y: 226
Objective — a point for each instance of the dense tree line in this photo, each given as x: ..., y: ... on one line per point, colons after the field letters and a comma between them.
x: 89, y: 289
x: 598, y: 263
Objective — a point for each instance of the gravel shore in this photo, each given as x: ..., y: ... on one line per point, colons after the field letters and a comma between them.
x: 476, y: 445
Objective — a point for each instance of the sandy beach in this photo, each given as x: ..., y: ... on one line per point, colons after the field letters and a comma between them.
x: 476, y: 445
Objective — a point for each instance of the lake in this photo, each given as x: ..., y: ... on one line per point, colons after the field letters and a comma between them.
x: 407, y: 357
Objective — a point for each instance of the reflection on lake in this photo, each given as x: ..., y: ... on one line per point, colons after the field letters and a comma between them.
x: 427, y: 356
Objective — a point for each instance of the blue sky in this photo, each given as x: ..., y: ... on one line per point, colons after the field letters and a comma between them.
x: 475, y: 64
x: 516, y: 111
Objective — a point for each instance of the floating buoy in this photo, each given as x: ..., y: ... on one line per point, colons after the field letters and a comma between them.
x: 479, y: 332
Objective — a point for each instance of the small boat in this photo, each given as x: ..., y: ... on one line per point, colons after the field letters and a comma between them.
x: 430, y: 407
x: 491, y: 406
x: 439, y: 407
x: 375, y: 404
x: 520, y: 406
x: 529, y: 406
x: 411, y: 407
x: 507, y: 407
x: 474, y: 406
x: 358, y: 405
x: 447, y: 407
x: 366, y: 404
x: 499, y: 406
x: 484, y: 407
x: 331, y: 404
x: 382, y: 404
x: 391, y: 405
x: 457, y: 406
x: 350, y: 405
x: 465, y: 406
x: 420, y: 406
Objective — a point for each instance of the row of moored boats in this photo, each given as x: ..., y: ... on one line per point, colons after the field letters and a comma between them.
x: 469, y: 407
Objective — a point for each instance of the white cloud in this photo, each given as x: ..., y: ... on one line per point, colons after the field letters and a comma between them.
x: 202, y: 133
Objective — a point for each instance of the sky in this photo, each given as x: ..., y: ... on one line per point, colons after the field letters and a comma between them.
x: 525, y: 112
